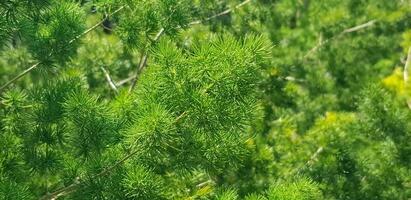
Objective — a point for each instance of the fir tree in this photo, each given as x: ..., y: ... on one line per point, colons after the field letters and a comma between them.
x: 179, y: 99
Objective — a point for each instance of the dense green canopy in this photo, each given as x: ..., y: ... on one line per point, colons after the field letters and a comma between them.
x: 205, y: 99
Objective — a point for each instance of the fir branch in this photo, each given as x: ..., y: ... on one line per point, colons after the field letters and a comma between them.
x: 109, y: 80
x: 34, y: 66
x: 310, y: 162
x: 359, y: 27
x: 144, y: 57
x: 73, y: 187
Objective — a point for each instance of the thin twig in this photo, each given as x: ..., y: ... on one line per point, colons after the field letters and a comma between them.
x: 310, y: 161
x: 406, y: 76
x: 221, y: 13
x: 141, y: 65
x: 144, y: 57
x: 200, y: 185
x: 96, y: 25
x: 348, y: 30
x: 361, y: 26
x: 143, y: 61
x: 19, y: 76
x: 314, y: 156
x: 124, y: 81
x: 70, y: 42
x: 109, y: 80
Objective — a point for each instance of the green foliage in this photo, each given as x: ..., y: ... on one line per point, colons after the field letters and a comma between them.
x: 139, y: 23
x: 90, y: 124
x: 154, y: 134
x: 254, y: 100
x: 12, y: 190
x: 383, y: 118
x: 141, y: 183
x: 139, y: 26
x: 301, y: 189
x: 227, y: 195
x: 56, y: 29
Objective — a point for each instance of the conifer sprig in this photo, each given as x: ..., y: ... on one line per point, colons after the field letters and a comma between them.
x: 34, y: 66
x: 143, y: 60
x: 78, y: 181
x: 244, y: 131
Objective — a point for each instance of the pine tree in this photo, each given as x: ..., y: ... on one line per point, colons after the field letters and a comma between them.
x: 179, y: 99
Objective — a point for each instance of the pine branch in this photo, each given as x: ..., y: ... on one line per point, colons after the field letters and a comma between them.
x: 109, y: 80
x: 73, y: 187
x: 28, y: 70
x: 143, y: 60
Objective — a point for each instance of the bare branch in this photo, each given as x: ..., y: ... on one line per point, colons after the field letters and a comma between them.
x: 124, y: 81
x: 19, y: 76
x: 348, y: 30
x: 406, y: 76
x: 359, y: 27
x: 141, y: 65
x: 200, y: 185
x: 109, y: 80
x: 143, y: 61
